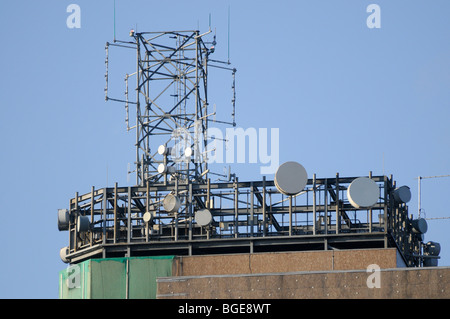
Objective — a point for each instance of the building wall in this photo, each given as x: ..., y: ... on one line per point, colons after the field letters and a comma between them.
x: 433, y: 282
x: 285, y: 262
x: 259, y: 275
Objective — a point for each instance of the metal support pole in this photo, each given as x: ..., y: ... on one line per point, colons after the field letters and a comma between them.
x: 290, y: 215
x: 326, y: 206
x: 236, y: 215
x: 91, y: 238
x: 176, y: 212
x: 385, y: 210
x: 370, y: 210
x: 419, y: 207
x: 115, y: 212
x: 147, y: 195
x: 76, y: 226
x: 129, y: 217
x: 138, y: 58
x: 189, y: 203
x: 106, y: 73
x: 338, y: 214
x: 251, y: 209
x: 208, y: 197
x: 314, y: 205
x: 105, y: 203
x: 389, y: 220
x: 264, y: 207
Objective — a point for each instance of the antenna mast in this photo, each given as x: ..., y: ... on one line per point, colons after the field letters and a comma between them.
x: 171, y: 104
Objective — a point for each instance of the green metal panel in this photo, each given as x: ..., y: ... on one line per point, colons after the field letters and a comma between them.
x: 108, y: 278
x: 74, y: 281
x: 143, y: 273
x: 114, y: 278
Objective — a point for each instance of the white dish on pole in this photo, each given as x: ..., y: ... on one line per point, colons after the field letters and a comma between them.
x: 203, y: 217
x: 363, y: 192
x: 291, y: 178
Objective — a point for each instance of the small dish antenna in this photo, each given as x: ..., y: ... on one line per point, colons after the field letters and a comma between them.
x: 363, y: 192
x: 63, y: 252
x: 171, y: 203
x: 63, y: 219
x: 147, y: 217
x: 83, y: 224
x: 291, y: 178
x: 203, y: 217
x: 402, y: 194
x: 419, y: 226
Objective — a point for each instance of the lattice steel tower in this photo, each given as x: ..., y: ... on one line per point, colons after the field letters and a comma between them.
x: 171, y: 103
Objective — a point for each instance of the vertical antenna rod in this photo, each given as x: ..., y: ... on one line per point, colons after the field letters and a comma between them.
x: 228, y: 34
x: 114, y: 20
x: 106, y: 72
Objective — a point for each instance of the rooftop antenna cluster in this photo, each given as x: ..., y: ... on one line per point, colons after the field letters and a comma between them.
x: 174, y: 208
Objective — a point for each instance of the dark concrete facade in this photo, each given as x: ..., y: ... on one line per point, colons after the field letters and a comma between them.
x: 433, y: 282
x: 285, y: 262
x: 307, y: 274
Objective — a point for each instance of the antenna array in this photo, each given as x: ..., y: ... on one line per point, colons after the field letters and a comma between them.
x: 171, y: 103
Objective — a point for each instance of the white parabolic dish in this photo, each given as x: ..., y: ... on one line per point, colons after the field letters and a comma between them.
x: 203, y: 217
x: 291, y: 178
x: 363, y: 192
x: 171, y: 203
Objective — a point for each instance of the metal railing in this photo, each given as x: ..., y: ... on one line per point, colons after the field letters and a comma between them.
x: 131, y: 216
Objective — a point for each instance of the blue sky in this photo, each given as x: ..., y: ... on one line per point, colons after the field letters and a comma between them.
x: 346, y: 99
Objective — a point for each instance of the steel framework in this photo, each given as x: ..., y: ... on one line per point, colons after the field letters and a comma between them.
x: 160, y: 214
x: 247, y: 217
x: 171, y: 103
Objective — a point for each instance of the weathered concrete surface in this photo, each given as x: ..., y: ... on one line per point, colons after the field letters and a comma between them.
x: 432, y: 282
x: 285, y: 262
